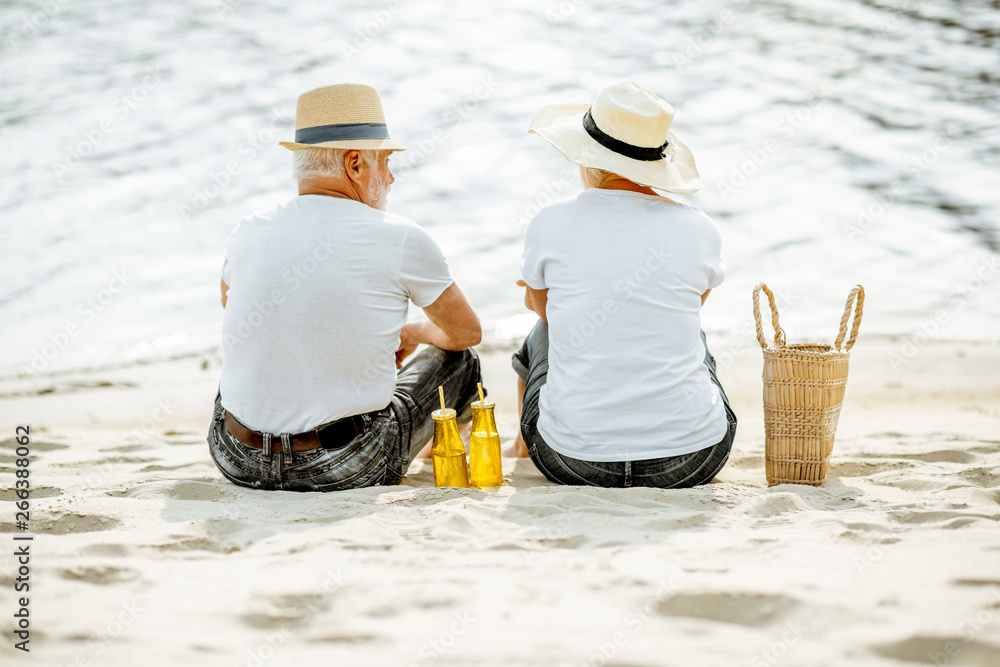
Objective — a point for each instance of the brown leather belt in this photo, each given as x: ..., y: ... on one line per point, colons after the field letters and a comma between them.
x: 328, y: 436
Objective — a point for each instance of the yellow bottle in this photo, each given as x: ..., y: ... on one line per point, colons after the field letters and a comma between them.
x: 448, y: 452
x: 484, y: 446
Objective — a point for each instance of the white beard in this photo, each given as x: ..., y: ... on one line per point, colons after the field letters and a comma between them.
x: 378, y: 192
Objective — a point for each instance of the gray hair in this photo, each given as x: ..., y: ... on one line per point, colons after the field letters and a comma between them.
x: 320, y: 162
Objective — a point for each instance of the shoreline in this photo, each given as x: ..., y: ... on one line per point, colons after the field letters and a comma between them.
x: 880, y: 371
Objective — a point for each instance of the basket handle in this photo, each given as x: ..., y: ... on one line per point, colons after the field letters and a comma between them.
x: 779, y: 333
x: 857, y: 293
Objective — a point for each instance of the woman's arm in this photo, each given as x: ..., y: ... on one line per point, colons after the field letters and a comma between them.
x: 535, y: 299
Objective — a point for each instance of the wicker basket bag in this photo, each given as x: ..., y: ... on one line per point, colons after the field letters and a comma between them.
x: 803, y: 391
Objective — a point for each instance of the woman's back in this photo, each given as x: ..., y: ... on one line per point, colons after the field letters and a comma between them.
x: 625, y: 272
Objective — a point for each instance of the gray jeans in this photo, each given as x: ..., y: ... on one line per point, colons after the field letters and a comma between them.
x: 531, y: 363
x: 380, y: 454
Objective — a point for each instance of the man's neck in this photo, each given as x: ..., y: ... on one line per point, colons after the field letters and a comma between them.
x: 330, y: 188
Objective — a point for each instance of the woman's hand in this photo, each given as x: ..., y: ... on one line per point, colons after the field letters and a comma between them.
x: 535, y: 300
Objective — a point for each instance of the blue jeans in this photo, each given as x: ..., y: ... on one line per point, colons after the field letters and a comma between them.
x: 380, y: 454
x: 531, y: 363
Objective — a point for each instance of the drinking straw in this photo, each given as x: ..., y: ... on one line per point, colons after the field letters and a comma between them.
x: 441, y: 394
x: 481, y: 397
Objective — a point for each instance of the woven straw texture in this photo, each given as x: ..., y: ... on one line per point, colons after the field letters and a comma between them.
x: 338, y: 103
x: 341, y: 103
x: 803, y: 390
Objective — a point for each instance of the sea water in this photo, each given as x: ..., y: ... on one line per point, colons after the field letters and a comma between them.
x: 838, y: 143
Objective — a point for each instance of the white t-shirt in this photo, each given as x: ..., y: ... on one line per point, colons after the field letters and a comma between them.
x: 318, y: 293
x: 625, y: 273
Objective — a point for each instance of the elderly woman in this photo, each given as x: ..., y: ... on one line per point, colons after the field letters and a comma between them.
x: 617, y: 385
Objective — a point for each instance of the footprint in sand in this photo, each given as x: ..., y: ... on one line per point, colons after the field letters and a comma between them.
x: 774, y: 504
x: 751, y: 609
x: 102, y: 574
x: 940, y: 519
x: 36, y: 445
x: 984, y: 477
x: 37, y: 492
x: 179, y: 490
x: 954, y: 650
x: 276, y: 611
x: 941, y: 456
x: 133, y: 447
x: 62, y: 524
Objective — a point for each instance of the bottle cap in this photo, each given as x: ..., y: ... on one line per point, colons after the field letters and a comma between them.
x: 443, y: 415
x: 479, y: 405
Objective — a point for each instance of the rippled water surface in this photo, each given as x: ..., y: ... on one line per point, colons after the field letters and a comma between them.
x: 839, y: 143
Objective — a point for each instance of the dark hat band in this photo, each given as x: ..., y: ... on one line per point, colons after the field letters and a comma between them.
x: 341, y: 132
x: 643, y: 153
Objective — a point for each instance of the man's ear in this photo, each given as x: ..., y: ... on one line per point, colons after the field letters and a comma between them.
x: 353, y: 165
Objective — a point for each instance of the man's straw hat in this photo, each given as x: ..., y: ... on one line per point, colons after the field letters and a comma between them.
x: 343, y: 115
x: 625, y: 131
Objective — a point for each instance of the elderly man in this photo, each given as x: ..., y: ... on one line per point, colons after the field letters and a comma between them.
x: 315, y: 292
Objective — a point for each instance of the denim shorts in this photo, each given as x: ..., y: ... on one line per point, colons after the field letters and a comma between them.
x: 532, y: 365
x: 380, y: 454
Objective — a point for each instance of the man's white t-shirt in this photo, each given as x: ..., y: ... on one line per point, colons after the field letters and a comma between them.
x: 318, y: 294
x: 625, y: 273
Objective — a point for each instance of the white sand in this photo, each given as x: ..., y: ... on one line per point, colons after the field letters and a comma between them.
x: 144, y: 555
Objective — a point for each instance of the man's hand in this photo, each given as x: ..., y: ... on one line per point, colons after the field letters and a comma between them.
x: 408, y: 342
x: 451, y: 325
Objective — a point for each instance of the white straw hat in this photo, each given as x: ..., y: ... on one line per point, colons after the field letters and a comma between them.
x: 625, y: 131
x: 343, y: 115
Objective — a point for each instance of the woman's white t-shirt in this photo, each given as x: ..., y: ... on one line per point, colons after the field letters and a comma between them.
x: 625, y: 273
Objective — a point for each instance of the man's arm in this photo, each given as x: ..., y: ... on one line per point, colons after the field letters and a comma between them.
x: 451, y: 324
x: 225, y: 292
